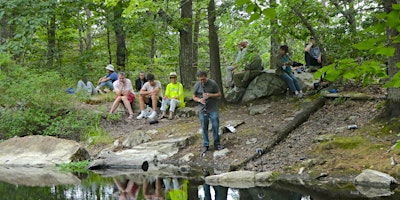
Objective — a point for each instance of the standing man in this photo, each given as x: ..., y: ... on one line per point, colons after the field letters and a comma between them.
x: 140, y: 81
x: 174, y: 96
x: 108, y: 79
x: 313, y: 55
x: 206, y: 93
x: 229, y: 70
x: 150, y: 93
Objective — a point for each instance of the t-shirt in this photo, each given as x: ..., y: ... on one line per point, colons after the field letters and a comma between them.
x: 314, y: 52
x: 149, y: 87
x: 209, y: 87
x: 176, y: 90
x: 113, y: 76
x: 128, y: 86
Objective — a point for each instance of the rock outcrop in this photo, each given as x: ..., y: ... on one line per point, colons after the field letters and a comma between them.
x: 40, y: 151
x: 240, y: 179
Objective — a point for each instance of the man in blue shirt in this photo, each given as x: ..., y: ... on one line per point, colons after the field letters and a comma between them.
x: 108, y: 79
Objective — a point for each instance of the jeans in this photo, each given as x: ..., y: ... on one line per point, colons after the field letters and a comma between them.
x: 89, y: 87
x: 172, y: 103
x: 108, y: 84
x: 204, y: 120
x: 292, y: 82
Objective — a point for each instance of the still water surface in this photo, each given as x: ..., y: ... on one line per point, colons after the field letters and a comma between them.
x: 93, y: 186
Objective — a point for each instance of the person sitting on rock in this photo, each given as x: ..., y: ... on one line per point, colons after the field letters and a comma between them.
x: 284, y: 70
x: 149, y: 94
x: 174, y: 96
x: 107, y: 80
x: 253, y: 67
x: 125, y: 94
x: 140, y: 81
x: 229, y: 70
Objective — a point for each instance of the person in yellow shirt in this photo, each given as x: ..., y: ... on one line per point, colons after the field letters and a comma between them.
x: 174, y: 97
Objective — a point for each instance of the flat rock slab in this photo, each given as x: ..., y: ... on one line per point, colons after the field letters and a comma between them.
x: 40, y: 151
x: 136, y: 157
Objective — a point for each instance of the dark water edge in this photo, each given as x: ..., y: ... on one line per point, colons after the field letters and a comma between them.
x: 94, y: 186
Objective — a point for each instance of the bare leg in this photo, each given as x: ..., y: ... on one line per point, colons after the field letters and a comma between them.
x: 127, y: 104
x: 141, y: 102
x: 115, y: 104
x: 154, y: 101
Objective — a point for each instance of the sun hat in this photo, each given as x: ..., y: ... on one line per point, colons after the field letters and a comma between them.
x: 110, y: 67
x: 172, y: 74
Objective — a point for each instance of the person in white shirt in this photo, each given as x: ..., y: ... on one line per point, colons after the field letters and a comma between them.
x: 149, y: 94
x: 125, y: 94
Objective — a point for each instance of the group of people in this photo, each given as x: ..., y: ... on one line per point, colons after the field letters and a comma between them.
x: 284, y: 64
x: 149, y: 90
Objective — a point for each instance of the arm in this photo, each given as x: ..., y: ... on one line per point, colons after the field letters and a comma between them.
x: 308, y: 47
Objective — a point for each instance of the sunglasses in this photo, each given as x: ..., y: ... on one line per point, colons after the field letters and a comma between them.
x: 171, y: 77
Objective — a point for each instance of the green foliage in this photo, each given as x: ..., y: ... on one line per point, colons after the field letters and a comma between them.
x: 97, y: 135
x: 342, y: 143
x: 79, y: 167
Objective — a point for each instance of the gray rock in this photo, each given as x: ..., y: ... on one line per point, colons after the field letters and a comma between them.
x: 151, y: 152
x: 186, y: 158
x: 324, y: 138
x: 374, y: 178
x: 240, y: 179
x: 264, y: 85
x: 259, y: 109
x: 221, y: 153
x: 40, y: 151
x: 372, y: 183
x: 134, y: 138
x: 251, y: 141
x: 187, y: 112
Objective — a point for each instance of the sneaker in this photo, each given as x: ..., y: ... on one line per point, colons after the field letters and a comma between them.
x: 141, y: 115
x: 219, y: 147
x: 204, y: 149
x: 153, y: 114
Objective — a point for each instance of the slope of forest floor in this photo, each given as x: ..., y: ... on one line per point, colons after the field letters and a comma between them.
x: 323, y: 144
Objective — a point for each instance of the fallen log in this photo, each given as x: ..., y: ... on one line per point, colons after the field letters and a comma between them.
x: 354, y: 96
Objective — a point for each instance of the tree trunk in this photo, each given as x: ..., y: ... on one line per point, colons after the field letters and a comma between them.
x: 274, y: 42
x: 215, y: 65
x: 51, y: 37
x: 393, y: 93
x: 196, y: 39
x: 120, y: 35
x: 109, y: 45
x: 187, y: 71
x: 152, y: 52
x: 88, y: 28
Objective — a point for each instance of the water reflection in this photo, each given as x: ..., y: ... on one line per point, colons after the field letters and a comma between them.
x: 149, y: 185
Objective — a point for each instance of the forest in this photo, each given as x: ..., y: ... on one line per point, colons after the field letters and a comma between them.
x: 48, y: 45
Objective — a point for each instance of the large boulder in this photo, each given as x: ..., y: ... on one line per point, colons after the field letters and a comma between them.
x: 40, y: 151
x: 238, y: 78
x: 264, y: 85
x: 372, y: 183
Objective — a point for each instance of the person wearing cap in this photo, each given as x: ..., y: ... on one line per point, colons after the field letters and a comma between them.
x: 149, y: 94
x: 174, y: 97
x: 108, y: 79
x: 312, y: 54
x: 229, y: 70
x: 125, y: 94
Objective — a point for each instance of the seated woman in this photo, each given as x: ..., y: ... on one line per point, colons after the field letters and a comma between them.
x: 123, y: 89
x: 284, y: 70
x: 174, y: 96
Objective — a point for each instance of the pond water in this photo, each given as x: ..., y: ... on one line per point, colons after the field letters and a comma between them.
x: 43, y: 184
